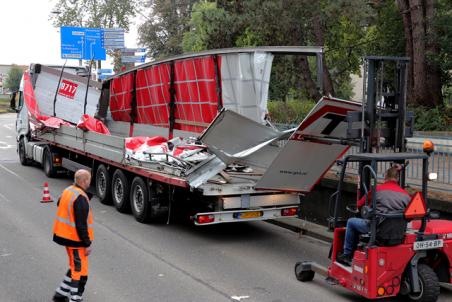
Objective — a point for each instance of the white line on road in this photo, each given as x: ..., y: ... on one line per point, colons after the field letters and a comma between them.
x: 4, y: 197
x: 13, y: 173
x: 239, y: 298
x: 4, y: 145
x: 8, y: 126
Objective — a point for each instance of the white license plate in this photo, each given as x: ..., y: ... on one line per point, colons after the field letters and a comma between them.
x: 428, y: 244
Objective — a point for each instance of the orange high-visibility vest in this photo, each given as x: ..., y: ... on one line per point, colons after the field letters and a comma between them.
x: 64, y: 225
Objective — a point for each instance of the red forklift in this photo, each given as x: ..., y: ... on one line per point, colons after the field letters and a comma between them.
x: 414, y: 266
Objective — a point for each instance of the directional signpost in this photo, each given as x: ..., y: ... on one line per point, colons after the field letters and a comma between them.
x: 104, y: 73
x: 82, y: 43
x: 113, y: 38
x: 133, y: 59
x: 72, y: 39
x: 91, y: 43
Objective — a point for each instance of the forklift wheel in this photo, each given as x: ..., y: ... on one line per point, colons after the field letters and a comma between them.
x: 303, y: 275
x: 429, y: 285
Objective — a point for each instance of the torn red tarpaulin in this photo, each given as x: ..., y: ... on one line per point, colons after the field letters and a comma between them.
x: 33, y: 108
x: 90, y: 123
x: 133, y: 143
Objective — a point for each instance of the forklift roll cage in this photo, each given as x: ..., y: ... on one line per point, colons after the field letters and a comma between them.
x: 370, y: 167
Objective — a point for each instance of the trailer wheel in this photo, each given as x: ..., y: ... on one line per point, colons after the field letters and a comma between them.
x: 429, y: 284
x: 139, y: 200
x: 103, y: 184
x: 303, y: 275
x: 120, y: 191
x: 47, y: 164
x: 24, y: 161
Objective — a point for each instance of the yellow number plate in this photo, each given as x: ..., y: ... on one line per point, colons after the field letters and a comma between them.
x: 247, y: 215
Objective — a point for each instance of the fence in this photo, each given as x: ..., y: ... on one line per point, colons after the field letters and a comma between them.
x: 439, y: 162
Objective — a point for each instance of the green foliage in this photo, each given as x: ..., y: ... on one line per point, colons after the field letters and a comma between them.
x: 163, y: 31
x: 209, y: 28
x: 384, y: 36
x: 13, y: 77
x: 99, y: 13
x: 434, y: 119
x: 290, y: 112
x: 443, y: 23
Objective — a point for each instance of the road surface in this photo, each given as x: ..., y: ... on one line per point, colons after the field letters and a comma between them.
x: 251, y: 262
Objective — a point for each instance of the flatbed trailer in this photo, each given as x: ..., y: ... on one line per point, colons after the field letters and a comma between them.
x: 151, y: 188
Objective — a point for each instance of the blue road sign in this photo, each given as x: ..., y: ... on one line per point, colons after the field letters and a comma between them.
x: 93, y: 49
x: 134, y: 50
x: 113, y: 38
x: 104, y: 76
x: 82, y: 43
x: 72, y: 39
x: 133, y: 59
x: 105, y: 70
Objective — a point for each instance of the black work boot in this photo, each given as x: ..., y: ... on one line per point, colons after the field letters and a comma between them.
x: 59, y: 298
x: 344, y: 259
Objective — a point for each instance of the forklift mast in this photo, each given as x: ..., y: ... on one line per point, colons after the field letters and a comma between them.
x: 384, y: 121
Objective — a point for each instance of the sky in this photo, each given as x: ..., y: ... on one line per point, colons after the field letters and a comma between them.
x: 28, y: 36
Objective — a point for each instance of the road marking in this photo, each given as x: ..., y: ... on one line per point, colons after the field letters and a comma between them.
x: 4, y: 198
x: 13, y: 173
x: 4, y: 145
x: 5, y: 255
x: 239, y: 298
x: 8, y: 126
x: 8, y: 136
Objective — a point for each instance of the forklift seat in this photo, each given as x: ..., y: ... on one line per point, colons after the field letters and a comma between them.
x: 390, y: 232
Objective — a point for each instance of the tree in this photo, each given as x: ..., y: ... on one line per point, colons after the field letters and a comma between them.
x: 424, y: 75
x: 97, y: 14
x: 163, y: 31
x: 333, y: 24
x: 13, y: 77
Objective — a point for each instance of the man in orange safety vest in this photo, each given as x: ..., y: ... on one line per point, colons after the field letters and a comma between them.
x: 73, y: 229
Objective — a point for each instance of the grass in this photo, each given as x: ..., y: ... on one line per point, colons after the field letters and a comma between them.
x: 4, y: 104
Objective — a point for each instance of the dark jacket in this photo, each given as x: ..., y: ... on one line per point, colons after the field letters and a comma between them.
x: 391, y: 198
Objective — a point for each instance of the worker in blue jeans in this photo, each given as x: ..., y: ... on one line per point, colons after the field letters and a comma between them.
x: 390, y: 198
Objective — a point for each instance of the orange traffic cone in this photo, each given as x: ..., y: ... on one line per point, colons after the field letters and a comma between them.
x: 46, y: 194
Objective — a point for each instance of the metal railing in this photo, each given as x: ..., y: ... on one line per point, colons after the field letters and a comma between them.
x: 440, y: 162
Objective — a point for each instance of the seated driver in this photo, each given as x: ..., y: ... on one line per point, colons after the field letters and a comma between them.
x: 390, y: 198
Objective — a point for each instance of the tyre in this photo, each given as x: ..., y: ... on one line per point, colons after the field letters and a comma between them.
x: 139, y: 200
x: 303, y: 276
x: 429, y: 284
x: 120, y: 190
x: 103, y: 184
x: 47, y: 164
x: 24, y: 161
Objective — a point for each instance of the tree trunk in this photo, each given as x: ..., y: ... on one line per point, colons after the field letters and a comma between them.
x: 424, y: 75
x: 433, y: 82
x: 319, y: 36
x: 306, y: 78
x: 418, y: 60
x: 406, y: 17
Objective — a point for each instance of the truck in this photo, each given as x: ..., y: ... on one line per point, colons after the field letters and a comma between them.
x: 191, y: 131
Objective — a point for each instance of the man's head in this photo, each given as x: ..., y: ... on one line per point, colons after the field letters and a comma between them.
x: 82, y: 178
x: 392, y: 174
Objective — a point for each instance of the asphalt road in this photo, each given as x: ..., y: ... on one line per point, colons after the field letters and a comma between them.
x: 142, y: 262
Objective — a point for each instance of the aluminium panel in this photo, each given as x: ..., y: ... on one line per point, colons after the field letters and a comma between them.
x: 265, y: 200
